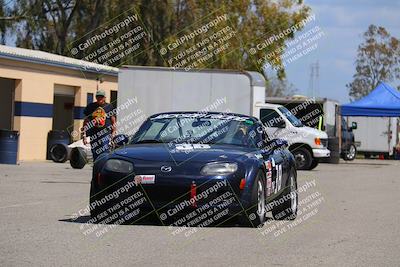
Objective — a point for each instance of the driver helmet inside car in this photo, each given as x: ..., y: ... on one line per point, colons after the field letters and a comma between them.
x: 241, y: 134
x: 246, y: 134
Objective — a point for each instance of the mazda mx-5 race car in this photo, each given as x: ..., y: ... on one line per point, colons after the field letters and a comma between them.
x: 191, y: 168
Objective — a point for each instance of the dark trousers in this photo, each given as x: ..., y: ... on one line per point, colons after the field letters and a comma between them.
x: 100, y: 144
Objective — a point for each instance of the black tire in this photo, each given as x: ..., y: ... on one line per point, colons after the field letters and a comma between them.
x: 78, y: 158
x: 59, y: 153
x: 288, y: 209
x: 351, y: 153
x: 314, y: 163
x: 94, y: 212
x: 97, y: 207
x: 56, y: 137
x: 256, y: 215
x: 303, y: 158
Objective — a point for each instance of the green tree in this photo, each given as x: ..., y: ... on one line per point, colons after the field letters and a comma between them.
x: 45, y: 24
x: 2, y: 22
x: 7, y: 18
x: 378, y: 59
x: 55, y: 25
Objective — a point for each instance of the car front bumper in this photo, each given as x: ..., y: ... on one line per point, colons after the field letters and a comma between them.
x: 321, y: 153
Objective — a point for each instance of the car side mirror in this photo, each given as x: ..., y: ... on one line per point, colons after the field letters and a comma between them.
x: 120, y: 140
x: 280, y: 124
x: 354, y: 125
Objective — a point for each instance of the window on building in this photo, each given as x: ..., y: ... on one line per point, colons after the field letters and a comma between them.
x: 7, y: 92
x: 113, y: 98
x: 89, y: 98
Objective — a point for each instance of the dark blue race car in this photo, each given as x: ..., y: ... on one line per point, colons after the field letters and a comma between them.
x: 191, y: 168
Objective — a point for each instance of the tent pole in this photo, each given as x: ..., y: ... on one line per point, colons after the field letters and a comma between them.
x: 339, y: 128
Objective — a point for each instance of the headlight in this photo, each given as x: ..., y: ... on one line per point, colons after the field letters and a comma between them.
x: 317, y: 141
x: 116, y: 165
x: 219, y: 169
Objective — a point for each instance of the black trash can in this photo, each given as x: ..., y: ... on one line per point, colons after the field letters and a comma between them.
x: 8, y: 146
x: 55, y: 137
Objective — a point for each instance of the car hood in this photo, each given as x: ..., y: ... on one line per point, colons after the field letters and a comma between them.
x: 180, y: 153
x: 308, y: 131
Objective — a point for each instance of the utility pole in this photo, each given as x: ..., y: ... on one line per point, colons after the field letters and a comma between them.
x: 313, y: 88
x: 310, y: 92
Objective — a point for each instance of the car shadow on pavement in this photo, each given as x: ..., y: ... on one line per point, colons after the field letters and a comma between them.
x: 86, y: 219
x: 232, y: 222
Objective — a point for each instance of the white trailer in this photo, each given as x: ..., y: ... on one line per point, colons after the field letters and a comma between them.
x: 376, y: 135
x: 155, y: 90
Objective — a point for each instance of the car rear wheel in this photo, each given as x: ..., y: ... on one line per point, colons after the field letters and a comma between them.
x: 351, y: 153
x: 256, y: 215
x: 303, y: 158
x: 288, y: 209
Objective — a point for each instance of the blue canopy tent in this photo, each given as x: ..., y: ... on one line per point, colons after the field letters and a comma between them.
x: 383, y: 101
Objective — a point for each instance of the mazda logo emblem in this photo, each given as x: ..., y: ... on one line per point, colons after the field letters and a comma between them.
x: 166, y: 168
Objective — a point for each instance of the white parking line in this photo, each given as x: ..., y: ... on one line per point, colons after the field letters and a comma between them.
x: 21, y: 205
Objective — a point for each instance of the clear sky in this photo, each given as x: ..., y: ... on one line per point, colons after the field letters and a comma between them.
x: 343, y: 22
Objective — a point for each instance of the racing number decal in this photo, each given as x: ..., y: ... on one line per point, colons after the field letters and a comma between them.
x: 276, y: 185
x: 278, y: 178
x: 268, y: 168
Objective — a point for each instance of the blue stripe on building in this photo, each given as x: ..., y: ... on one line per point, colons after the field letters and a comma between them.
x: 31, y: 109
x: 78, y: 113
x: 41, y: 110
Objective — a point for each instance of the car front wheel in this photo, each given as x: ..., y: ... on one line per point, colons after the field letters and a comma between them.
x: 256, y: 215
x: 314, y: 164
x: 303, y: 158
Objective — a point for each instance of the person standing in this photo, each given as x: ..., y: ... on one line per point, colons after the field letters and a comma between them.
x: 99, y: 125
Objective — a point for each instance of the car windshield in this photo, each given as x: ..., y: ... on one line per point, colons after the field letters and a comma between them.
x: 292, y: 118
x: 194, y: 128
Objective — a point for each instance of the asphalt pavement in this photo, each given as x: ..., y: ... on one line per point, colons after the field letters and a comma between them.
x: 350, y: 216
